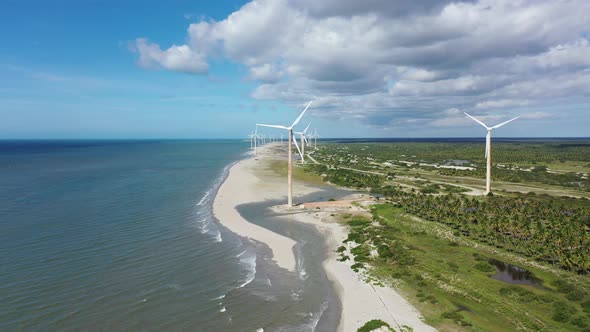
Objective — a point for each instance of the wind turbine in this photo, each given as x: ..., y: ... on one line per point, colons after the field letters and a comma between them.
x: 488, y: 153
x: 303, y: 139
x: 251, y: 137
x: 315, y: 137
x: 256, y: 137
x: 290, y: 163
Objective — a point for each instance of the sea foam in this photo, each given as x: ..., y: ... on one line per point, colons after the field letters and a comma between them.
x: 249, y: 262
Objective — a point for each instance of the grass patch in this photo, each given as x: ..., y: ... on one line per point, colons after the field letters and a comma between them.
x: 279, y: 167
x: 373, y: 325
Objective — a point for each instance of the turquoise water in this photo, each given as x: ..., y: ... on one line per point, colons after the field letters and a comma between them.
x: 119, y: 235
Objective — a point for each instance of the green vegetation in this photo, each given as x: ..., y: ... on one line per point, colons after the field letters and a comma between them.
x: 377, y: 323
x: 542, y: 230
x: 447, y: 277
x: 554, y: 230
x: 539, y: 174
x: 559, y: 163
x: 440, y: 246
x: 279, y: 167
x: 346, y: 178
x: 373, y: 325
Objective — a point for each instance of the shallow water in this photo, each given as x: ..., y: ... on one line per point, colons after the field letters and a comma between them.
x: 513, y: 274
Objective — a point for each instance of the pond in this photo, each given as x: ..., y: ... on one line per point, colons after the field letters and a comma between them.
x: 513, y: 274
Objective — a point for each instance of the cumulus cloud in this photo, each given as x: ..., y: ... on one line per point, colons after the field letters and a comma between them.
x: 178, y: 58
x: 398, y: 62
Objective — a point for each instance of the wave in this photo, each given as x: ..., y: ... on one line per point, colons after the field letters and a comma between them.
x: 205, y: 223
x: 222, y: 309
x: 311, y: 320
x: 249, y: 262
x: 205, y: 229
x: 219, y: 297
x: 295, y: 296
x: 315, y: 317
x: 202, y: 200
x: 218, y: 237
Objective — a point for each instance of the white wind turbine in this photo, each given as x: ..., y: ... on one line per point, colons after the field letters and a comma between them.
x: 315, y: 138
x: 251, y: 137
x: 290, y: 163
x: 488, y: 153
x: 255, y: 137
x: 303, y: 139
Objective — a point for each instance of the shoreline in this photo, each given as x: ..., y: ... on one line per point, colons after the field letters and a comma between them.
x: 240, y: 187
x: 361, y: 301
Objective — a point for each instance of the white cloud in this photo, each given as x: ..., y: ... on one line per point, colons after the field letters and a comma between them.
x: 177, y: 58
x: 266, y: 73
x: 501, y: 103
x: 398, y: 62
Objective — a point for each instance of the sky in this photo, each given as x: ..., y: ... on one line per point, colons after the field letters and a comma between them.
x: 373, y: 68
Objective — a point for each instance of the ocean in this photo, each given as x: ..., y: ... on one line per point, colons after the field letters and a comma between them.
x: 119, y: 235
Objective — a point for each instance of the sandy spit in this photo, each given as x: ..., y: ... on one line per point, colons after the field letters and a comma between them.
x: 240, y: 187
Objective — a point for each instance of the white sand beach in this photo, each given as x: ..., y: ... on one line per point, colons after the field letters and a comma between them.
x: 361, y: 301
x: 243, y: 186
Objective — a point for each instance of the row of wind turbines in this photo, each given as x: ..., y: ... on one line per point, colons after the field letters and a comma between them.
x: 255, y: 138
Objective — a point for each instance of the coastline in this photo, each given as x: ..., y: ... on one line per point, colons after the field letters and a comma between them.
x: 247, y: 182
x: 241, y: 186
x: 361, y: 301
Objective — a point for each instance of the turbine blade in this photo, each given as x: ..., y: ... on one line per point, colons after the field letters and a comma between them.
x: 306, y: 128
x: 476, y: 120
x: 272, y: 126
x: 297, y: 146
x: 300, y: 116
x: 505, y: 122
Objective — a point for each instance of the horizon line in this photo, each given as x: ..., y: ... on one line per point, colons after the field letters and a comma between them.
x: 246, y: 138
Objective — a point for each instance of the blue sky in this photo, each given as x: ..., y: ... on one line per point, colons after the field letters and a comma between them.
x: 187, y: 69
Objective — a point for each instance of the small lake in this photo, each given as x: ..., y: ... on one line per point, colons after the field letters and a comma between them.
x: 513, y: 274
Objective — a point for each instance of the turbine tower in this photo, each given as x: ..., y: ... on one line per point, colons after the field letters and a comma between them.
x: 290, y: 163
x: 488, y: 153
